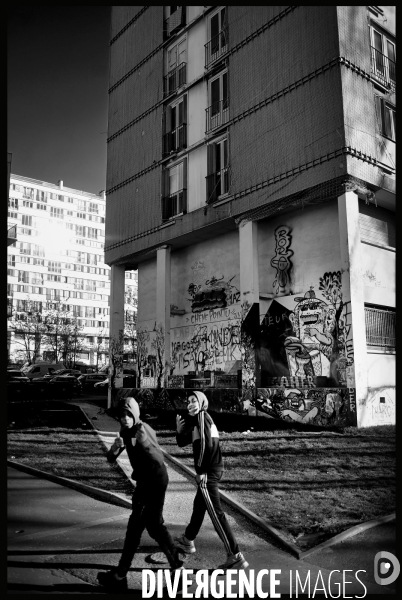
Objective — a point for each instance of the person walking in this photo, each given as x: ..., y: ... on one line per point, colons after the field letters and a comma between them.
x: 149, y: 471
x: 200, y: 430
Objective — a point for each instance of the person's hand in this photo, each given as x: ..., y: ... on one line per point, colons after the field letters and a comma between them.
x: 141, y: 434
x: 118, y: 443
x: 200, y: 478
x: 180, y: 424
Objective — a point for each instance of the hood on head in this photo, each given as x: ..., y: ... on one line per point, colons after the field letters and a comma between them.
x: 132, y: 406
x: 202, y: 399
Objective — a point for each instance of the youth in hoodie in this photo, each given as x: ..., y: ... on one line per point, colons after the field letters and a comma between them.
x: 150, y: 473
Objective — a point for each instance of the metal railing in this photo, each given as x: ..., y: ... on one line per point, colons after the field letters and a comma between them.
x: 383, y: 67
x: 216, y: 47
x: 217, y: 114
x: 217, y: 184
x: 175, y: 140
x: 380, y: 327
x: 175, y: 21
x: 175, y: 79
x: 174, y: 204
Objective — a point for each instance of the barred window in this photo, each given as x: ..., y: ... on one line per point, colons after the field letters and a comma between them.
x: 380, y: 326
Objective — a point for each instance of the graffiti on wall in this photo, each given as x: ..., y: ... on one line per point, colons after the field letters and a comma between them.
x: 212, y: 293
x: 281, y: 260
x: 309, y: 340
x: 320, y: 407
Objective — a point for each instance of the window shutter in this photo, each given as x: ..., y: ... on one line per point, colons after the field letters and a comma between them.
x: 211, y: 149
x: 167, y: 119
x: 183, y: 207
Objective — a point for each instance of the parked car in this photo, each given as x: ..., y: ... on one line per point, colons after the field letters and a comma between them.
x: 74, y: 372
x: 129, y: 380
x: 41, y: 369
x: 89, y: 380
x: 59, y: 386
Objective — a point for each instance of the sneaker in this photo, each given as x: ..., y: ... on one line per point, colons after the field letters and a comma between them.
x: 108, y: 580
x: 184, y: 544
x: 234, y: 561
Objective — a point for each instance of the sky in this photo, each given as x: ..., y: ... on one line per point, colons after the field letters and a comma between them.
x: 57, y: 94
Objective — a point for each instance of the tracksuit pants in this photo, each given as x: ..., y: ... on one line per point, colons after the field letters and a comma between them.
x: 147, y: 513
x: 207, y: 499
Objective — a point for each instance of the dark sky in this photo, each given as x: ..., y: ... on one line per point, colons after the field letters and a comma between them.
x: 58, y: 69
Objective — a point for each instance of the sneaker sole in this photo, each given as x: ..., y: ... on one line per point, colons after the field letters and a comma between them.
x: 186, y: 550
x: 242, y: 565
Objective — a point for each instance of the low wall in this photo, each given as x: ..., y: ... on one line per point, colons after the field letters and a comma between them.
x: 321, y: 407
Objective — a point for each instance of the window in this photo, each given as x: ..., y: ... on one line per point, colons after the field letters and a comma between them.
x: 80, y: 230
x: 81, y: 215
x: 383, y: 57
x: 218, y: 110
x: 386, y: 117
x: 218, y: 170
x: 41, y: 196
x: 380, y: 326
x: 92, y: 233
x: 41, y: 206
x: 175, y: 185
x: 93, y: 207
x: 218, y: 37
x: 81, y: 205
x: 54, y: 266
x: 27, y: 220
x: 176, y: 66
x: 175, y: 127
x: 28, y: 192
x: 56, y: 212
x: 13, y: 203
x: 175, y: 20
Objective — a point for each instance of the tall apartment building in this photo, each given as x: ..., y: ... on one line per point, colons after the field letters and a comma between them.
x: 251, y: 181
x: 57, y: 259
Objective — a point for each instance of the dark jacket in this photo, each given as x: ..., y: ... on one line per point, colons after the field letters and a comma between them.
x: 201, y: 431
x: 145, y: 455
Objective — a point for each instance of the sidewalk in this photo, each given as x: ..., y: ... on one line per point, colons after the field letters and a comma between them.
x: 60, y: 539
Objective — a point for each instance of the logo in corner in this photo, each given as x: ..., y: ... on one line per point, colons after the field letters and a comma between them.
x: 386, y: 568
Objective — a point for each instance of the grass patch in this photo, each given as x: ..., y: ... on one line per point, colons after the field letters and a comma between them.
x: 310, y: 486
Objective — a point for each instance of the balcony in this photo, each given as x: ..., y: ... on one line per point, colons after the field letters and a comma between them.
x: 11, y: 235
x: 383, y: 68
x: 175, y: 79
x: 175, y: 21
x: 175, y: 140
x: 217, y: 114
x: 174, y: 204
x: 217, y: 184
x: 216, y: 48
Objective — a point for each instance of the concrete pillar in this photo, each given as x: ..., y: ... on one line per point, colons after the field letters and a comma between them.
x: 116, y: 301
x: 353, y: 299
x: 250, y: 294
x: 249, y: 284
x: 163, y: 295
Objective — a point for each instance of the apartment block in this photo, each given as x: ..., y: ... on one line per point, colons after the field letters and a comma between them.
x: 57, y: 261
x: 251, y: 181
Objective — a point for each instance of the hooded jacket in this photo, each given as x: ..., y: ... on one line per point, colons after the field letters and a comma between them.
x: 201, y: 431
x: 145, y: 455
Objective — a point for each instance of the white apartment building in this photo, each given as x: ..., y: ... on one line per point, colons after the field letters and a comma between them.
x: 58, y: 257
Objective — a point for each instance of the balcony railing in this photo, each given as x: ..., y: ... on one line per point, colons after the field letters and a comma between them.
x: 11, y: 235
x: 217, y: 184
x: 175, y: 79
x: 217, y: 114
x: 174, y: 204
x: 175, y: 140
x: 383, y: 67
x: 216, y: 47
x: 380, y: 327
x: 175, y: 21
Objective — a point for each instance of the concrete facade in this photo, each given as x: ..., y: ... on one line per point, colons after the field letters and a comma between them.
x: 256, y: 198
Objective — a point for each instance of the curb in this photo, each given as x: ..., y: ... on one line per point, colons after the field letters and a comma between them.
x: 352, y: 531
x: 89, y: 490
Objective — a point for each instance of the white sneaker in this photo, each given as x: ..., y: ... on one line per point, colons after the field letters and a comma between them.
x: 234, y: 561
x: 184, y: 544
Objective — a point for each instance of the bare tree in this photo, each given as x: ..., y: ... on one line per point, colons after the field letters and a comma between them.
x: 142, y: 352
x: 116, y: 350
x: 29, y: 330
x: 158, y: 344
x: 64, y: 333
x: 101, y: 344
x: 130, y: 334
